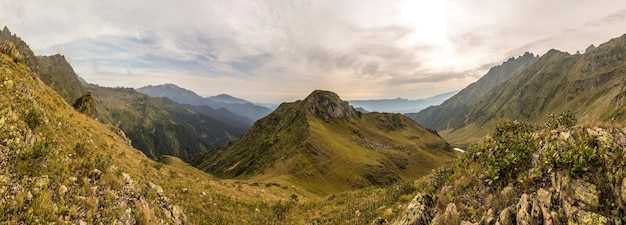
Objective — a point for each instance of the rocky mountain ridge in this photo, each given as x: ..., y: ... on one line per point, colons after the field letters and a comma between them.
x: 444, y: 116
x: 590, y: 85
x: 54, y: 70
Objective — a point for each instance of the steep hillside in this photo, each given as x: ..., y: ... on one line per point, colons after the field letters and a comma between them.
x: 58, y: 74
x: 183, y: 96
x: 443, y: 116
x: 591, y: 85
x: 59, y: 166
x: 158, y: 126
x: 324, y: 145
x: 558, y: 173
x: 53, y: 70
x: 401, y: 105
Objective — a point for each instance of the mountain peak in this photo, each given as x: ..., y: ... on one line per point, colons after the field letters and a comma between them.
x: 224, y: 98
x: 327, y: 104
x: 590, y: 48
x: 322, y: 143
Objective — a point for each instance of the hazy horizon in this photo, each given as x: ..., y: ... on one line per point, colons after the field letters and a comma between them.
x: 277, y: 51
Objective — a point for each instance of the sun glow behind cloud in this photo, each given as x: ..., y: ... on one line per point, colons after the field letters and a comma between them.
x: 428, y: 19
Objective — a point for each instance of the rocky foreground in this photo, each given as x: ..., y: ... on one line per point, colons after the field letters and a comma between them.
x: 559, y: 173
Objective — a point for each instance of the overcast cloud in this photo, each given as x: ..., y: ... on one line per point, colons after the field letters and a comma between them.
x: 273, y: 51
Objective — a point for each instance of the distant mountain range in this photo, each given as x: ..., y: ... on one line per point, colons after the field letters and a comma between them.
x: 325, y: 145
x: 401, y: 105
x: 180, y: 95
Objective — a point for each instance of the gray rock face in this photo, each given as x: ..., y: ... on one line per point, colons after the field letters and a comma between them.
x: 86, y: 105
x: 327, y: 105
x: 9, y: 48
x: 590, y: 48
x: 419, y: 212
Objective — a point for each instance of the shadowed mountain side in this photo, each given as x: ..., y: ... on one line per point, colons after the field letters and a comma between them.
x: 324, y: 145
x: 223, y: 115
x: 159, y: 126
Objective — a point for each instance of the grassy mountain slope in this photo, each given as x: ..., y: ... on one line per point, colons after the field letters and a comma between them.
x: 557, y: 173
x: 158, y: 126
x: 321, y: 143
x: 443, y: 116
x: 59, y: 165
x: 591, y: 85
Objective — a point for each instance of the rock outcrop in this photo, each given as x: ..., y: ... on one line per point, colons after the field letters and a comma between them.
x: 521, y: 175
x: 86, y: 105
x: 327, y: 105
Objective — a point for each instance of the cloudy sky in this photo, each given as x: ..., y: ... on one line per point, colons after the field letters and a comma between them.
x: 280, y: 50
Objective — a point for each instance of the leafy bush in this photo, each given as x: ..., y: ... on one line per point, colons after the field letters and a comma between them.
x: 576, y: 154
x: 566, y: 119
x: 281, y: 209
x: 33, y: 118
x: 507, y: 152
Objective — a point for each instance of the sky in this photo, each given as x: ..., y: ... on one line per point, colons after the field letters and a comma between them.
x: 278, y: 50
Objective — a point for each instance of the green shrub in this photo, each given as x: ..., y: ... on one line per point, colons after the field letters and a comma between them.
x: 508, y: 152
x: 33, y: 118
x: 566, y: 119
